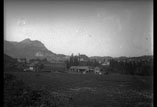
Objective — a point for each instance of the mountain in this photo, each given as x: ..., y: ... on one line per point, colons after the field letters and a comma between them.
x: 30, y: 49
x: 144, y: 57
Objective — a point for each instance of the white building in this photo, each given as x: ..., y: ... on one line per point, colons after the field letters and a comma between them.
x: 97, y: 71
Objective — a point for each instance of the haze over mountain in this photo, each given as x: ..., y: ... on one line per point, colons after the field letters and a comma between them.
x: 95, y: 28
x: 30, y: 49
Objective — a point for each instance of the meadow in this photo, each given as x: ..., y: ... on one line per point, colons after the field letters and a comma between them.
x: 91, y: 90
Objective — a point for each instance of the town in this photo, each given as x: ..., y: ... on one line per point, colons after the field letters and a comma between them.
x: 83, y: 64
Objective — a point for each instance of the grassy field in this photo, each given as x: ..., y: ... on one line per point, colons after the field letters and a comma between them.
x: 91, y: 90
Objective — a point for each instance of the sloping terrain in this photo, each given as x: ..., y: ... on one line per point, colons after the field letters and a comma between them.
x: 29, y: 49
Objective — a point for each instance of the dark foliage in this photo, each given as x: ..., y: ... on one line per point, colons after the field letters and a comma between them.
x: 18, y: 94
x: 75, y: 61
x: 11, y: 64
x: 143, y: 68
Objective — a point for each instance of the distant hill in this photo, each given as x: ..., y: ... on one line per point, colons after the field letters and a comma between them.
x: 99, y: 58
x: 144, y: 57
x: 30, y: 49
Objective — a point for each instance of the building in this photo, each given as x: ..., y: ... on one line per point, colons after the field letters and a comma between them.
x: 32, y: 66
x: 38, y: 65
x: 81, y: 69
x: 106, y: 63
x: 83, y: 58
x: 86, y: 69
x: 97, y: 70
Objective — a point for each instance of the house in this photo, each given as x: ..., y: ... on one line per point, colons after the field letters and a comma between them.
x: 97, y: 70
x: 82, y: 69
x: 106, y: 63
x: 32, y: 66
x: 37, y: 65
x: 83, y: 58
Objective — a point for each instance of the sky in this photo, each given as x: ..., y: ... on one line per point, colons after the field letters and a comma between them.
x: 102, y: 28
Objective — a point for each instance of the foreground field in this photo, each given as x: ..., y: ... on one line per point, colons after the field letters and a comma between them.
x: 90, y: 90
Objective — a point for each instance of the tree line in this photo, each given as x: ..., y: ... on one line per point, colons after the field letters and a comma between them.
x: 74, y: 60
x: 132, y: 67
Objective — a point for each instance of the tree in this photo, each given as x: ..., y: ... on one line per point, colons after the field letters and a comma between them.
x: 76, y: 61
x: 67, y: 63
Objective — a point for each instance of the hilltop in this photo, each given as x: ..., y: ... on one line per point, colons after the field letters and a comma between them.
x: 30, y: 49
